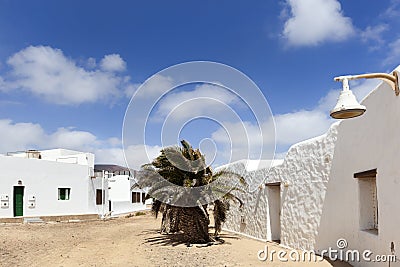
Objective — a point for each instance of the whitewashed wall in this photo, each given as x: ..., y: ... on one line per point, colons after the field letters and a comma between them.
x: 320, y: 199
x: 68, y: 156
x: 95, y: 184
x: 305, y: 171
x: 41, y: 179
x: 60, y: 155
x: 119, y: 188
x: 364, y: 143
x: 120, y: 195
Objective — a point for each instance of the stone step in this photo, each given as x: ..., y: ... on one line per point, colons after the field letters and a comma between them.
x: 33, y: 220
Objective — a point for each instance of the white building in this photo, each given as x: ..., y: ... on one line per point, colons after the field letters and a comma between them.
x: 50, y: 183
x: 343, y: 184
x: 124, y: 195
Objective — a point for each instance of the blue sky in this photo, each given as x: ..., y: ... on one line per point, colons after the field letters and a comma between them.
x: 69, y: 68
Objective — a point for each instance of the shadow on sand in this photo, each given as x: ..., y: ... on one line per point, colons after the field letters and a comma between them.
x: 176, y: 239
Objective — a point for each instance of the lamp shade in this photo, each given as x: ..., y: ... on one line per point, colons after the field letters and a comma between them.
x: 347, y: 106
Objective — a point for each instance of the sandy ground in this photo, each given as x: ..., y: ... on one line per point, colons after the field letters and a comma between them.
x: 130, y: 241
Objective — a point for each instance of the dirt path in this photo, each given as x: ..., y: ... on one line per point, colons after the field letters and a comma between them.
x: 121, y: 242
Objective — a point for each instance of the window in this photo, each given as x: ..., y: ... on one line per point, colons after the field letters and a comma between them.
x: 99, y: 197
x: 368, y: 200
x: 143, y: 197
x: 63, y: 193
x: 135, y: 197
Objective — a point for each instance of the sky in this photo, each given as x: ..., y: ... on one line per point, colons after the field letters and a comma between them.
x: 69, y: 69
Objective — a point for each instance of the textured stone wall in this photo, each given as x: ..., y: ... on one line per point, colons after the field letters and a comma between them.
x: 320, y: 198
x: 303, y: 178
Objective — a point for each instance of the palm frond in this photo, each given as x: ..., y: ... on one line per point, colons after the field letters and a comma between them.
x: 230, y: 196
x: 229, y: 175
x: 221, y: 208
x: 186, y: 167
x: 176, y: 159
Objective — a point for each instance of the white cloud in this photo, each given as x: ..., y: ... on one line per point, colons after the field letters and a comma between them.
x: 374, y: 34
x: 2, y: 83
x: 113, y: 155
x: 315, y: 21
x: 294, y: 127
x: 204, y: 99
x: 393, y: 11
x: 112, y: 63
x: 46, y: 72
x: 155, y: 86
x: 24, y: 136
x: 19, y: 136
x: 290, y: 127
x: 72, y: 139
x: 136, y: 159
x: 246, y: 137
x: 242, y: 140
x: 91, y: 63
x: 304, y: 124
x: 130, y: 90
x: 393, y: 54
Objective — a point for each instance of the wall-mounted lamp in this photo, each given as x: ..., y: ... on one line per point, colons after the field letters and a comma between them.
x: 347, y: 105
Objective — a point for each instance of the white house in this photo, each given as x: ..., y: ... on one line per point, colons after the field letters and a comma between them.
x: 124, y: 195
x: 344, y: 184
x: 50, y: 183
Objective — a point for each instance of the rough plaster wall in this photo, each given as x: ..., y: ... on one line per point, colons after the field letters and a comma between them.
x: 306, y: 171
x: 251, y: 219
x: 364, y: 143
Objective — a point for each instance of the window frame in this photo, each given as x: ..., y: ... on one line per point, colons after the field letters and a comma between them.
x: 100, y: 199
x: 368, y: 201
x: 67, y: 193
x: 135, y: 197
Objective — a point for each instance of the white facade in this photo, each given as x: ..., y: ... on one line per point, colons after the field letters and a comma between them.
x: 59, y: 155
x: 49, y: 186
x: 312, y: 199
x: 124, y: 196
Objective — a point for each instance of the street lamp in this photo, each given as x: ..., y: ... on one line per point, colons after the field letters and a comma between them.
x: 347, y: 105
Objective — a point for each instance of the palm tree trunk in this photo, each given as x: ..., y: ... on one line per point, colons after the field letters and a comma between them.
x: 194, y: 224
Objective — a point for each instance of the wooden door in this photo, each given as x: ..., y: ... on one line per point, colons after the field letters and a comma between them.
x: 18, y: 201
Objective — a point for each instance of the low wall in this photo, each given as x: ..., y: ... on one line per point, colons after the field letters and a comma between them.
x: 66, y: 218
x: 123, y: 207
x: 301, y: 182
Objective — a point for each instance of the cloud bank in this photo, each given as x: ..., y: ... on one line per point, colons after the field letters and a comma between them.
x: 47, y: 73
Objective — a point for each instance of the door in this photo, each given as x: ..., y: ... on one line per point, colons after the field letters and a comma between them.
x: 18, y: 201
x: 274, y: 201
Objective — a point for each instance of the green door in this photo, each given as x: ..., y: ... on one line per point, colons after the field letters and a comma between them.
x: 18, y: 200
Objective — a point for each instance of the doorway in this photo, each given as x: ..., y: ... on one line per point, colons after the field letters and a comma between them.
x: 18, y: 201
x: 274, y: 201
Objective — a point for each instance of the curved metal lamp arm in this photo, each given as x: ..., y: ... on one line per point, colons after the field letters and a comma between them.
x: 391, y: 79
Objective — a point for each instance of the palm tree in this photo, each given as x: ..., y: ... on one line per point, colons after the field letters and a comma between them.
x: 185, y: 167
